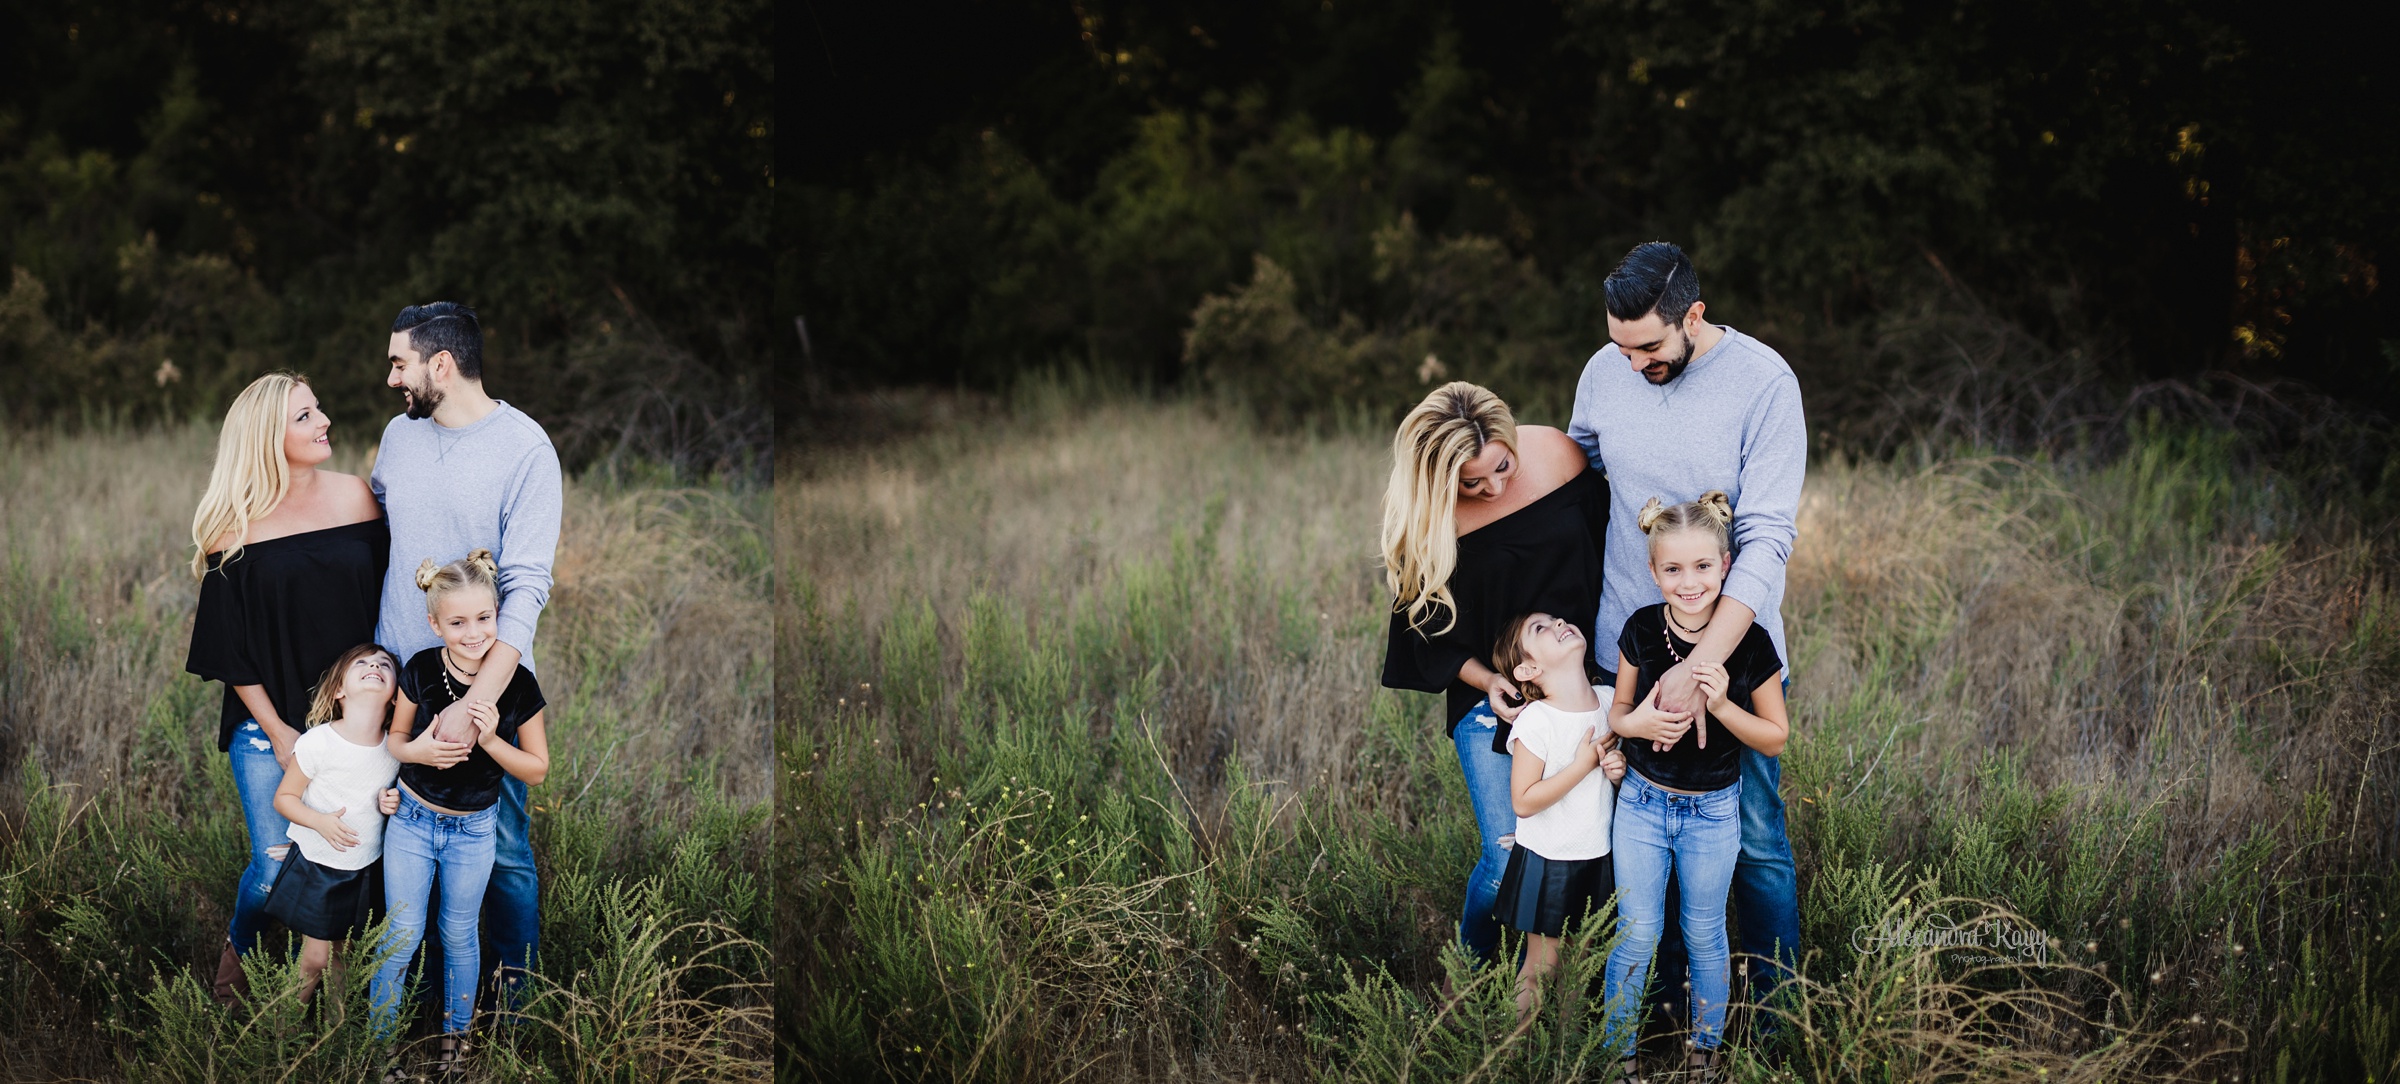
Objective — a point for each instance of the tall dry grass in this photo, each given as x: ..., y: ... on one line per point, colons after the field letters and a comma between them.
x: 2143, y: 702
x: 117, y: 811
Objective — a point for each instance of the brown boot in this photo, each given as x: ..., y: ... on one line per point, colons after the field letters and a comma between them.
x: 231, y: 984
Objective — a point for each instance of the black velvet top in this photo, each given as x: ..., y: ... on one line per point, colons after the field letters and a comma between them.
x: 473, y: 784
x: 1544, y: 556
x: 281, y: 613
x: 1686, y: 766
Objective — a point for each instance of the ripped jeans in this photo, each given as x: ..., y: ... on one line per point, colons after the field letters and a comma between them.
x: 1495, y: 820
x: 255, y: 777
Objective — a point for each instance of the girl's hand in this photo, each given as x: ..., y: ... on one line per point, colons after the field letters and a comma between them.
x: 335, y: 832
x: 1612, y: 764
x: 1507, y: 702
x: 1648, y: 722
x: 1587, y: 752
x: 388, y: 801
x: 1714, y: 685
x: 486, y: 716
x: 433, y: 752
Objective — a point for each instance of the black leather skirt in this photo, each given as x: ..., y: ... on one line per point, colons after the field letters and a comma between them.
x: 324, y: 903
x: 1549, y: 897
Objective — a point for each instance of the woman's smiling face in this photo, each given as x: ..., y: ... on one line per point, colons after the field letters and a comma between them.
x: 1690, y: 570
x: 306, y: 438
x: 1486, y: 477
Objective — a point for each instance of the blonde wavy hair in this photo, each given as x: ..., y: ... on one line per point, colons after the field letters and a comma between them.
x: 250, y: 476
x: 1420, y: 506
x: 476, y: 569
x: 1712, y: 513
x: 326, y: 705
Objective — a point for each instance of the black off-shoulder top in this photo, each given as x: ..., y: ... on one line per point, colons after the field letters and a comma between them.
x: 281, y: 613
x: 1544, y: 556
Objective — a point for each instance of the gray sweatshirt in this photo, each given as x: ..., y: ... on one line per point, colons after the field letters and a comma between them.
x: 1732, y: 421
x: 491, y: 485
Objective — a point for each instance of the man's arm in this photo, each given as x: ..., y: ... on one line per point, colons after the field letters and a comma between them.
x: 1584, y: 424
x: 528, y: 546
x: 1774, y: 464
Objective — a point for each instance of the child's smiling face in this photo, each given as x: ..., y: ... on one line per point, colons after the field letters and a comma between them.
x: 1690, y: 571
x: 1552, y: 643
x: 468, y: 621
x: 367, y: 684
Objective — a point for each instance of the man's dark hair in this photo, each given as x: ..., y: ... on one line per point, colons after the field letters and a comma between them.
x: 445, y: 325
x: 1654, y: 276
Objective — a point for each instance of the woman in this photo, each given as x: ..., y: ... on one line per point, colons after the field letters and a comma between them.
x: 290, y: 561
x: 1483, y: 520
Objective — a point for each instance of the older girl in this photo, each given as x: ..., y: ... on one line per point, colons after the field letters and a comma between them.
x: 1483, y: 520
x: 446, y: 823
x: 290, y: 559
x: 1679, y: 812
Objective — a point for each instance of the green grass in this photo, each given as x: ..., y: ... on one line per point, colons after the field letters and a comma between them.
x: 120, y: 833
x: 1084, y: 773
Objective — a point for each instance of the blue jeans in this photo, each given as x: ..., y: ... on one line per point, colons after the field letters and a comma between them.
x: 512, y: 909
x: 255, y: 777
x: 1495, y: 817
x: 1698, y: 838
x: 417, y: 844
x: 1766, y: 889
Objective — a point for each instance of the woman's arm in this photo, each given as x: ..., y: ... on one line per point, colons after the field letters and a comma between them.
x: 1493, y: 684
x: 262, y: 709
x: 529, y: 758
x: 1766, y: 727
x: 289, y: 803
x: 1529, y: 793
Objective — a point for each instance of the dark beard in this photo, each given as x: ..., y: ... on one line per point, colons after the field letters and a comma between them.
x: 422, y: 401
x: 1673, y: 368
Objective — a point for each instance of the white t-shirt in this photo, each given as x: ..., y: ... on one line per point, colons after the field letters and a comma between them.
x: 346, y: 777
x: 1577, y: 825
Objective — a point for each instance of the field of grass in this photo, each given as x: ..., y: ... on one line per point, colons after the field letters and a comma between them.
x: 1084, y: 773
x: 120, y: 836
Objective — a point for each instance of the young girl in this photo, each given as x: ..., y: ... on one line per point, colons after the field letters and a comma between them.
x: 1680, y: 810
x: 446, y: 822
x: 1559, y: 869
x: 336, y: 793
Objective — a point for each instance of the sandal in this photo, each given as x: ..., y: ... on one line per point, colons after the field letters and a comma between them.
x: 1630, y: 1072
x: 452, y: 1057
x: 1705, y: 1066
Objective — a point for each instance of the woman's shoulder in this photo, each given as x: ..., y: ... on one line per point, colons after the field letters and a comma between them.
x: 351, y: 498
x: 1552, y: 458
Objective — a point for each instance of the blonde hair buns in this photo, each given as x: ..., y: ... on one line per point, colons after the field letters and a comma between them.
x: 1712, y: 513
x: 476, y: 569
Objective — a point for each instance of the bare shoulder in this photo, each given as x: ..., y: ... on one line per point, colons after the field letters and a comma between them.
x: 1551, y: 457
x: 352, y: 497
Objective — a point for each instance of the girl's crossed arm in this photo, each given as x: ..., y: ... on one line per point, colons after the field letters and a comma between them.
x: 1529, y: 793
x: 426, y: 749
x: 289, y: 804
x: 1632, y: 717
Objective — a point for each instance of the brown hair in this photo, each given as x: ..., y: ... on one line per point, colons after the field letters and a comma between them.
x: 1713, y: 513
x: 1510, y: 651
x: 476, y: 569
x: 326, y: 705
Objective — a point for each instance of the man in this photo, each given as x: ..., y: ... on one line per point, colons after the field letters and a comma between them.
x: 1673, y: 407
x: 461, y: 471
